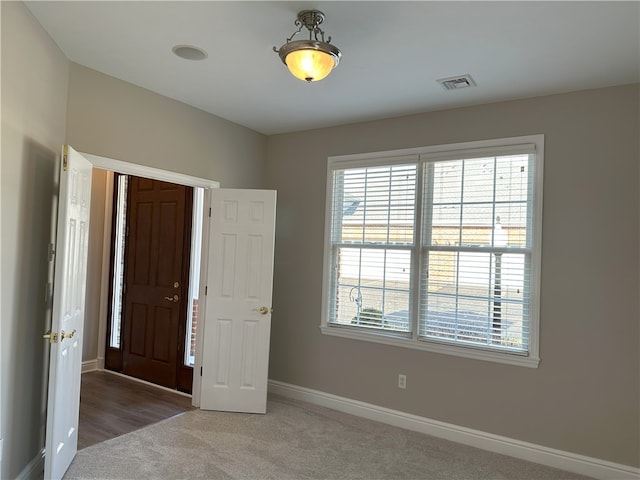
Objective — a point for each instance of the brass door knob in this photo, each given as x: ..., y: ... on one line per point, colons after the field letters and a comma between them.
x: 175, y: 299
x: 262, y: 310
x: 64, y: 335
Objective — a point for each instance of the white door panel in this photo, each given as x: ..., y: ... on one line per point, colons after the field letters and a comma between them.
x: 67, y: 321
x: 238, y: 304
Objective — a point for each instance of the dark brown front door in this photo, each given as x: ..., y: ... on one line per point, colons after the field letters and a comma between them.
x: 156, y: 280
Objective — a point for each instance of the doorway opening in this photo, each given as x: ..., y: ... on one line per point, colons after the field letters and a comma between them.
x: 154, y: 280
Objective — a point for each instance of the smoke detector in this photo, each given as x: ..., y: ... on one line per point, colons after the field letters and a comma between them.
x: 456, y: 83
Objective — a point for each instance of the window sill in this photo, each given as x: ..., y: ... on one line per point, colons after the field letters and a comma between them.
x: 458, y: 351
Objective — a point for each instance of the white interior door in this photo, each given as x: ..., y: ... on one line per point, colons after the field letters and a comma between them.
x: 70, y: 273
x: 235, y: 353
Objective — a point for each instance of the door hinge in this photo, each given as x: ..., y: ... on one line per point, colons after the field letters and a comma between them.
x: 65, y: 153
x: 206, y: 289
x: 200, y: 371
x: 52, y: 252
x: 209, y: 212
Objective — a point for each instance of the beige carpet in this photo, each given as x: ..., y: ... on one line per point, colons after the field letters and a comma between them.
x: 294, y: 440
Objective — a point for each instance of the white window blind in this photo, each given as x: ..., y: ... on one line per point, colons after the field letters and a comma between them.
x: 438, y: 249
x: 372, y: 236
x: 476, y: 251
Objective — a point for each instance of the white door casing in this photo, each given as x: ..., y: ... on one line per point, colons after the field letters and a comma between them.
x: 70, y: 272
x: 127, y: 168
x: 235, y: 354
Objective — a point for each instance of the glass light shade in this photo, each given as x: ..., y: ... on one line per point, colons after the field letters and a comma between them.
x: 309, y: 64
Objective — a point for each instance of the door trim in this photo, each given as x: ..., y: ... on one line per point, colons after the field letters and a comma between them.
x: 137, y: 170
x: 113, y: 165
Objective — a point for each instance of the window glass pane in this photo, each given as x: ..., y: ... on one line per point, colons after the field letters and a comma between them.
x: 194, y: 277
x: 511, y: 178
x: 445, y: 227
x: 372, y: 288
x: 511, y: 225
x: 440, y: 271
x: 474, y: 269
x: 473, y: 295
x: 118, y: 261
x: 478, y: 179
x: 447, y: 185
x: 477, y: 224
x: 512, y: 197
x: 485, y: 191
x: 378, y: 204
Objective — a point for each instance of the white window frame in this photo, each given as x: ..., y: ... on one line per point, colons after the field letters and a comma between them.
x: 468, y: 150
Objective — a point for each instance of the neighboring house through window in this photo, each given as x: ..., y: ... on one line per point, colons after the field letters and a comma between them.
x: 437, y: 248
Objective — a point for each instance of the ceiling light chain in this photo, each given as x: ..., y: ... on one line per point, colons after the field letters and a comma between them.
x: 309, y: 60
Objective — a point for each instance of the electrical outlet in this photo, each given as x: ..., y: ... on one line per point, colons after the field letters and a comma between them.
x: 402, y: 381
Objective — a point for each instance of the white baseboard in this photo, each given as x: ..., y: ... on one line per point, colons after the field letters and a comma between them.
x: 34, y: 469
x: 89, y: 366
x: 568, y: 461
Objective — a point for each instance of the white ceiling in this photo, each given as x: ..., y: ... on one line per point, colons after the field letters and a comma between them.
x: 393, y: 52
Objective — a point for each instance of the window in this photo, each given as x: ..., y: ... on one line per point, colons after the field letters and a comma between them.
x: 437, y: 248
x: 117, y: 282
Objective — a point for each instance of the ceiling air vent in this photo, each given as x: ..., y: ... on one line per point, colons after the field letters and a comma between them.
x: 456, y: 83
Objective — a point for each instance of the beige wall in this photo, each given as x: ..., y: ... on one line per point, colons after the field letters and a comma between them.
x: 584, y: 396
x: 34, y: 103
x: 118, y: 120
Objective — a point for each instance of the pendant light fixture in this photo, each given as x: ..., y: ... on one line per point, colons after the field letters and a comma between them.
x: 309, y: 60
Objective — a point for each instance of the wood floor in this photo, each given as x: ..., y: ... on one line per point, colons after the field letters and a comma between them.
x: 111, y: 406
